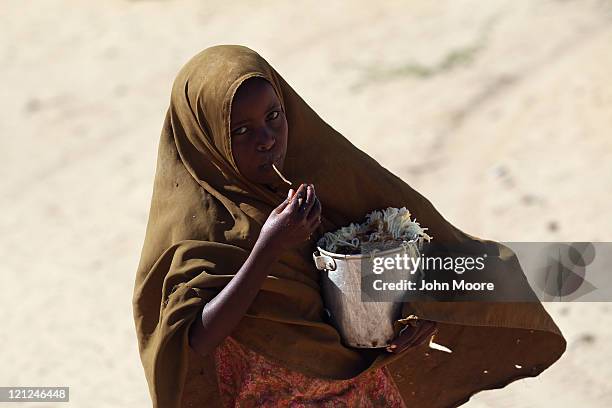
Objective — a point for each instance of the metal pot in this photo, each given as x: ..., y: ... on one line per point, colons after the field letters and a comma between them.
x: 361, y: 324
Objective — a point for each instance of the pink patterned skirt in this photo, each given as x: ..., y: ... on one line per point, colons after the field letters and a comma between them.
x: 247, y: 379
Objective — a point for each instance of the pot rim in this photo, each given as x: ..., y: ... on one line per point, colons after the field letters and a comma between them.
x: 369, y: 255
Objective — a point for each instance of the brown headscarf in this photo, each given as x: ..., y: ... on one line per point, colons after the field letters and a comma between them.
x: 205, y: 218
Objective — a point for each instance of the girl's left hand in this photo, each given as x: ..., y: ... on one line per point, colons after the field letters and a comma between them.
x: 413, y: 336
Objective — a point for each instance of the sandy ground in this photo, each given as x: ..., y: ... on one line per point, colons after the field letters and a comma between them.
x: 500, y: 112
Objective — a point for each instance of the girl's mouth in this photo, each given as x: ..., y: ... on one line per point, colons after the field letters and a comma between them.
x: 268, y: 165
x: 271, y: 167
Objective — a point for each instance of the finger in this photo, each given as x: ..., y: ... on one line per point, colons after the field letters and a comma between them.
x: 403, y: 339
x: 309, y: 202
x: 406, y: 336
x: 315, y: 213
x: 315, y: 217
x: 413, y: 337
x: 396, y: 344
x: 295, y: 200
x: 419, y: 340
x: 425, y: 333
x: 284, y: 204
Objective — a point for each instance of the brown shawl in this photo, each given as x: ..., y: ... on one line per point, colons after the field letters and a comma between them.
x: 205, y: 217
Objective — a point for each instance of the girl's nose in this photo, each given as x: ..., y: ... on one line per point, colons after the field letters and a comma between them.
x: 265, y: 141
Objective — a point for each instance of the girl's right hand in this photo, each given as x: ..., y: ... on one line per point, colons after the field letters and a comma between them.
x: 294, y: 220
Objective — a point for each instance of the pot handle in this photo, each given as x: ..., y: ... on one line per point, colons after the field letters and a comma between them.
x: 324, y: 262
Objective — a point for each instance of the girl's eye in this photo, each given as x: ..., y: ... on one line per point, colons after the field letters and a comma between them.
x: 274, y: 115
x: 240, y: 131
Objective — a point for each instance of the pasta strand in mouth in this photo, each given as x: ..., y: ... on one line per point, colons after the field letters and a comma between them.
x: 280, y: 175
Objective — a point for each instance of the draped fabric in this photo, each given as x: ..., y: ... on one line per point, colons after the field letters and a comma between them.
x: 205, y: 217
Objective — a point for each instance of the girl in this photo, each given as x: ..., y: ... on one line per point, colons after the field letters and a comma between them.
x: 227, y: 301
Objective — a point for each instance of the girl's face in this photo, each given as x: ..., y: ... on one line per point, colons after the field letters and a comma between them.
x: 258, y: 131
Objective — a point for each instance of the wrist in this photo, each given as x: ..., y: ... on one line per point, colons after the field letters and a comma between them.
x: 267, y: 250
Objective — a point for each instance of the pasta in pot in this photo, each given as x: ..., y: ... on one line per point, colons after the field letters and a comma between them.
x: 382, y: 229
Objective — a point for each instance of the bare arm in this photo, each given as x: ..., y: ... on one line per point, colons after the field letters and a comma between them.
x: 223, y: 313
x: 287, y: 225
